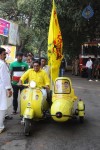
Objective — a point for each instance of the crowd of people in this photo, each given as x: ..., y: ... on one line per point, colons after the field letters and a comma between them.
x: 12, y: 76
x: 5, y: 87
x: 92, y: 68
x: 26, y: 67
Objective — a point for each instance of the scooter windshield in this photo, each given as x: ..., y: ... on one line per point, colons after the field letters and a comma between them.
x: 62, y: 86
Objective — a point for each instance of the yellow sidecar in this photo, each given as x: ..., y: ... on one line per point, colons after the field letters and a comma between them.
x: 63, y: 99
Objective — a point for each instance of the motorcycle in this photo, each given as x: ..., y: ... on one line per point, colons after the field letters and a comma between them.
x: 63, y: 100
x: 33, y: 106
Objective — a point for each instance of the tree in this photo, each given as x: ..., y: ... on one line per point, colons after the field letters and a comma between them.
x: 33, y: 17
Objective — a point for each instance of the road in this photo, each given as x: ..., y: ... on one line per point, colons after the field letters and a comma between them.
x: 49, y: 135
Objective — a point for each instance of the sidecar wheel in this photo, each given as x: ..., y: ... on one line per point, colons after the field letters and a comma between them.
x: 27, y: 127
x: 81, y: 119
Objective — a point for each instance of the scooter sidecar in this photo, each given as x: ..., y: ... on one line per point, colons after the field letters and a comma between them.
x: 63, y: 99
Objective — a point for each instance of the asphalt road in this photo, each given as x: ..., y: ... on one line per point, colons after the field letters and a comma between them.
x: 49, y: 135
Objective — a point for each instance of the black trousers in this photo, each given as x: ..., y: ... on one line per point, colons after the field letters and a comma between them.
x: 15, y: 96
x: 89, y: 73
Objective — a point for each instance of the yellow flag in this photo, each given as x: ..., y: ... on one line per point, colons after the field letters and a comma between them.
x: 54, y: 44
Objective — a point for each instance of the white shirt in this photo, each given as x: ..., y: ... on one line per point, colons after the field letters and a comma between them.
x: 5, y: 84
x: 47, y: 69
x: 89, y: 64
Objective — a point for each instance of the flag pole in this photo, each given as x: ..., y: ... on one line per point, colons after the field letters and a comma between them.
x: 53, y: 46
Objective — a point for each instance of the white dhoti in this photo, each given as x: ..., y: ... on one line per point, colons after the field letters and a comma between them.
x: 3, y: 105
x: 2, y: 116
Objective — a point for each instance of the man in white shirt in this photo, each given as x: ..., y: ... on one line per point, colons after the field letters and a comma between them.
x: 44, y: 66
x: 89, y: 67
x: 5, y: 87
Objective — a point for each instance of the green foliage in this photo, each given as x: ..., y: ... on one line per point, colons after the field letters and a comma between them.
x: 33, y: 17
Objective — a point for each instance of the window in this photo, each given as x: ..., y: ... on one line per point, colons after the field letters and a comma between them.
x: 62, y: 86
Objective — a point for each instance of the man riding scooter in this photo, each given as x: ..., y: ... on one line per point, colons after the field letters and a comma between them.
x: 33, y: 100
x: 39, y: 76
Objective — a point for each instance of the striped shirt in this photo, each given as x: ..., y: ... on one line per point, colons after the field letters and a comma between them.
x: 17, y: 69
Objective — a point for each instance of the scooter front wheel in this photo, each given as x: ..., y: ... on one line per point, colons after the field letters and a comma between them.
x: 81, y: 119
x: 27, y: 127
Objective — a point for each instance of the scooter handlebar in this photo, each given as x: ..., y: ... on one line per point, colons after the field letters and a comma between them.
x: 26, y: 85
x: 22, y: 85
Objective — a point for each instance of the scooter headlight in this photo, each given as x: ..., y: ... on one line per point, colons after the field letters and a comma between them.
x: 32, y: 84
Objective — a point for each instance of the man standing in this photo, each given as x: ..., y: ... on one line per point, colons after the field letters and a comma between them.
x: 5, y: 87
x: 17, y: 69
x: 76, y: 66
x: 89, y: 68
x: 44, y: 65
x: 29, y: 61
x: 96, y: 68
x: 62, y: 68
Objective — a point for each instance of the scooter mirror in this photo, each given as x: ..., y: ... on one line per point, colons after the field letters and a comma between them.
x: 32, y: 84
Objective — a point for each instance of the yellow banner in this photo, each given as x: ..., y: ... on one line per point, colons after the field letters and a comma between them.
x: 54, y: 44
x: 11, y: 50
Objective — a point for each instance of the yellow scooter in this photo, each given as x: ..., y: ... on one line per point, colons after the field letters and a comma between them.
x: 63, y: 99
x: 32, y: 106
